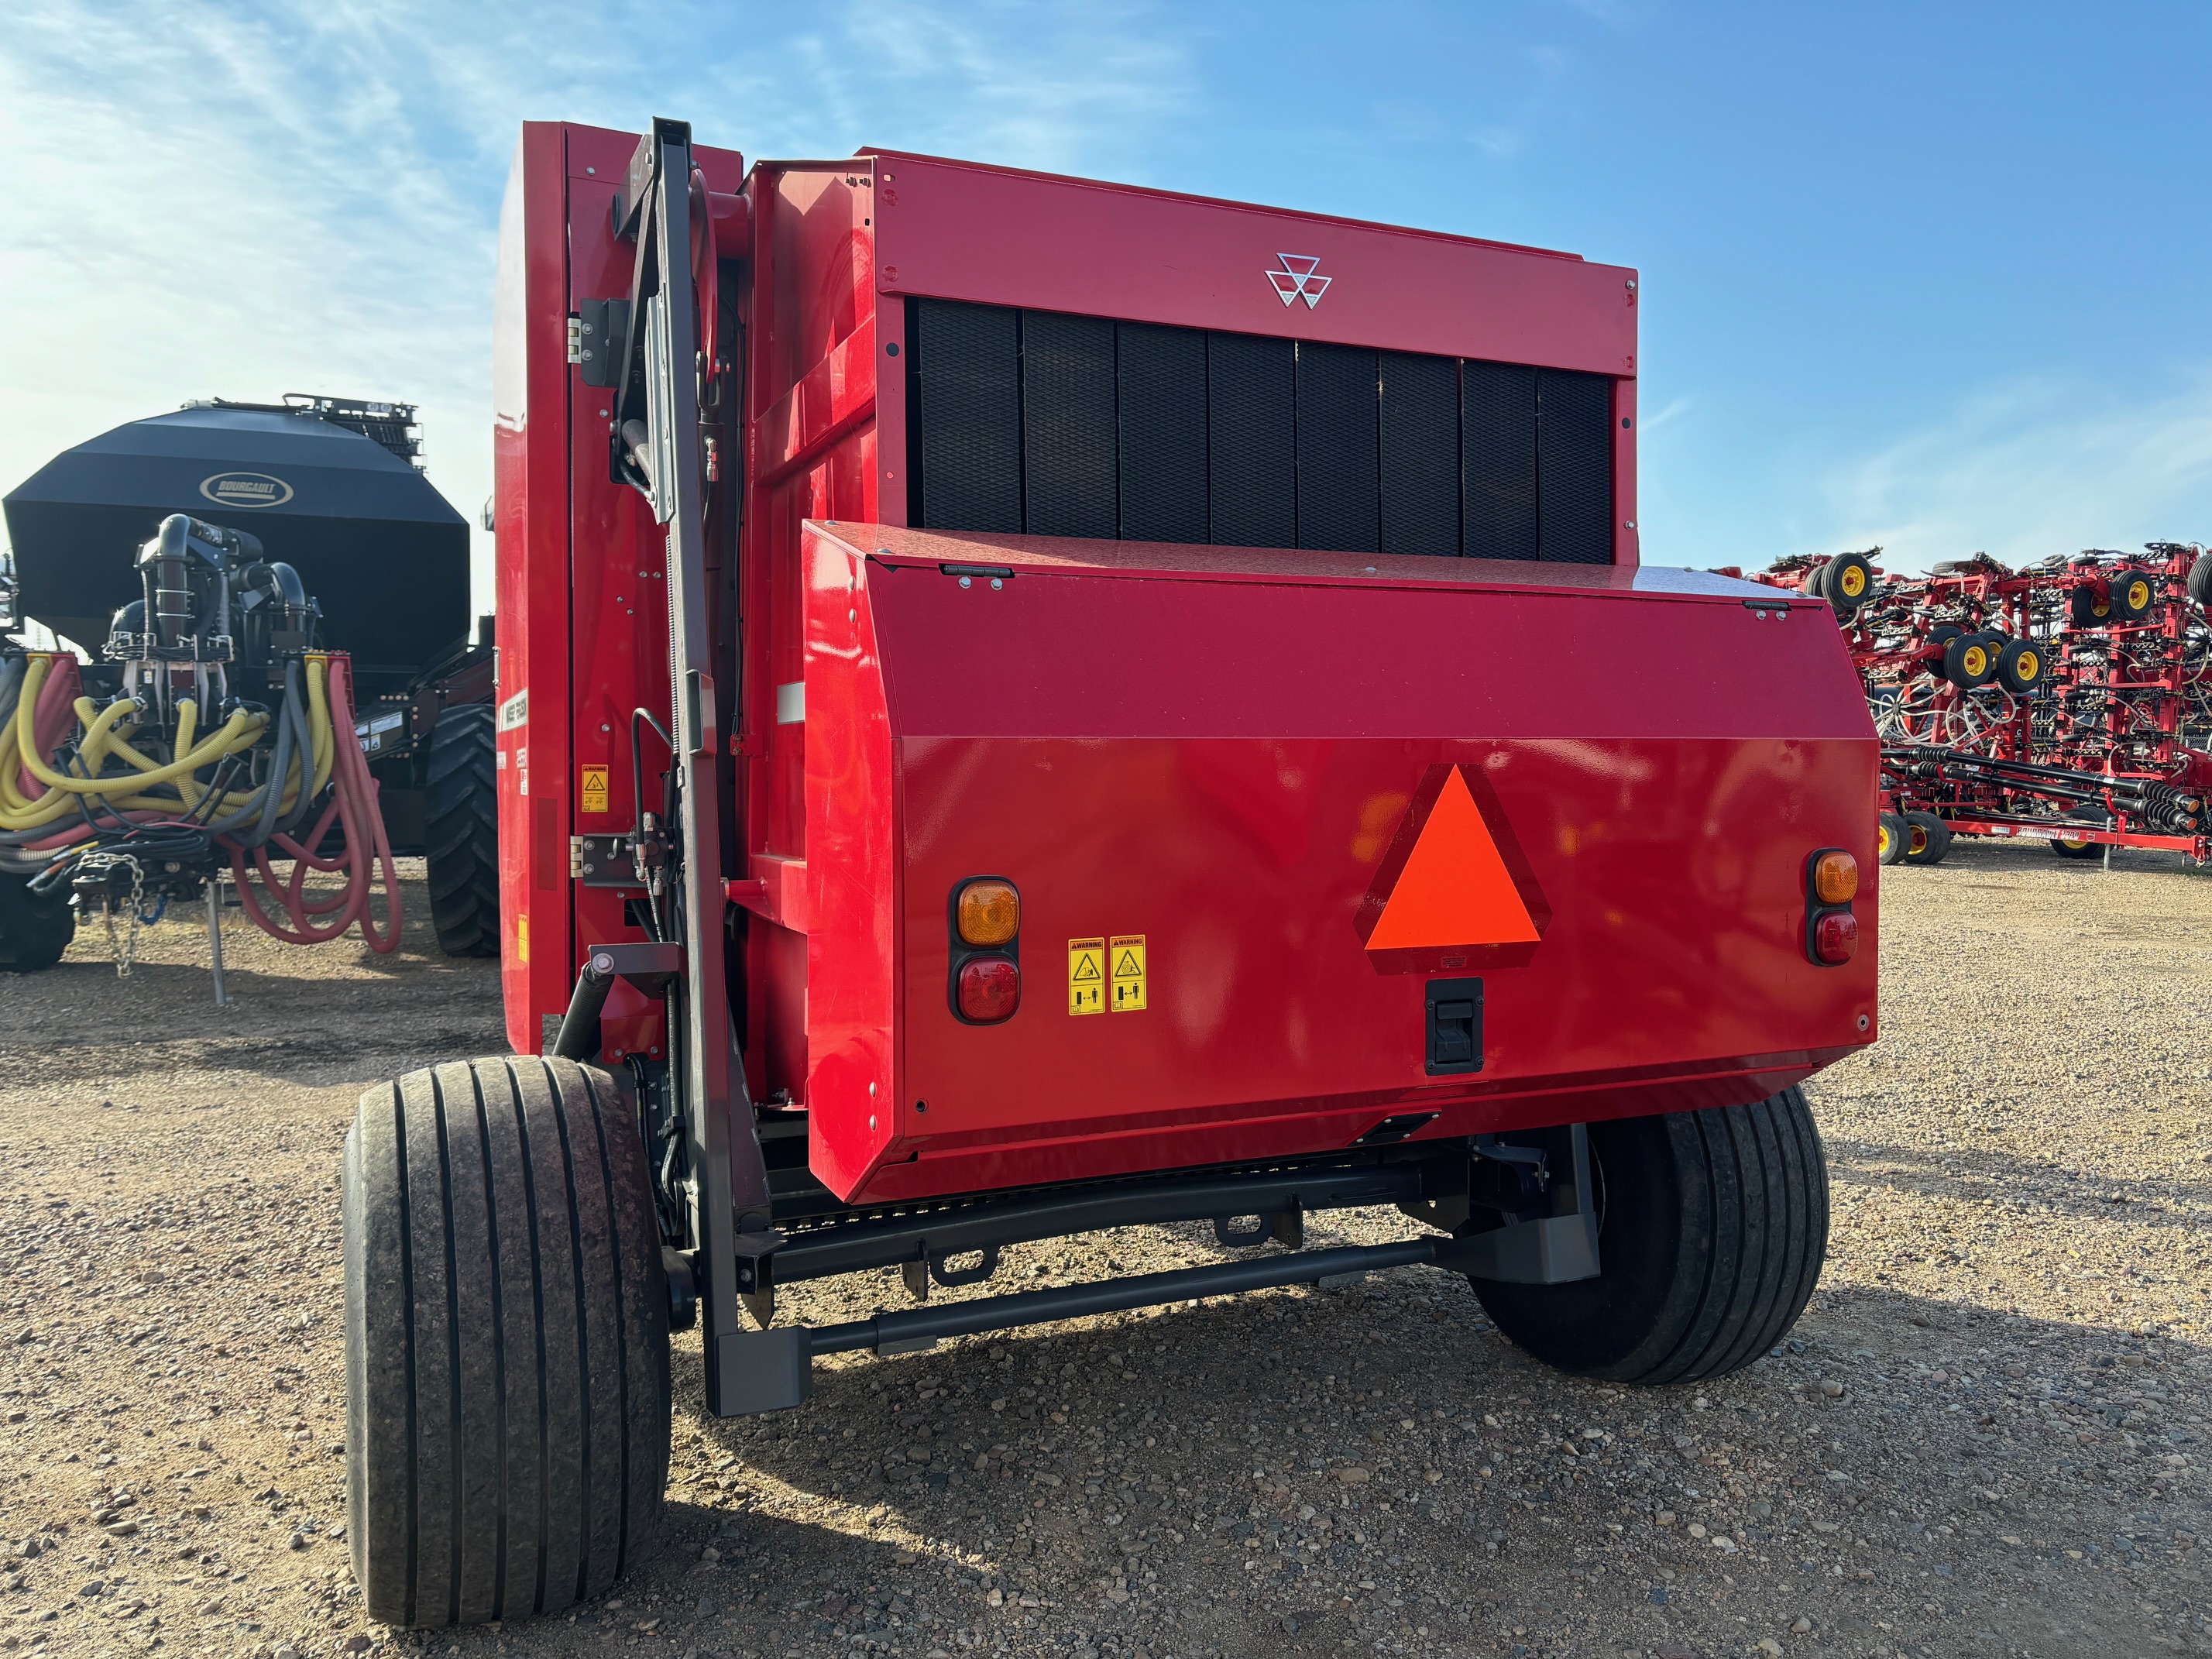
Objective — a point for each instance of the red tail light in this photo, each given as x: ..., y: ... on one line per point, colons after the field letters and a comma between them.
x: 990, y: 989
x: 1836, y: 937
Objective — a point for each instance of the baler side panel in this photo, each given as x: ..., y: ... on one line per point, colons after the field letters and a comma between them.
x: 617, y: 576
x: 812, y: 453
x: 532, y: 475
x: 853, y: 947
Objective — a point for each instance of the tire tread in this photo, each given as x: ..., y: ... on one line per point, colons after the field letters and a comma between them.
x: 462, y: 843
x: 507, y: 1342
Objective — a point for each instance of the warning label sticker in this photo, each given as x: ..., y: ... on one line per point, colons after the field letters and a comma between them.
x: 1086, y: 976
x: 1126, y: 951
x: 592, y: 790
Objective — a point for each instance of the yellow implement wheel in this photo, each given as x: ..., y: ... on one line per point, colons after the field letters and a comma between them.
x: 1889, y: 837
x: 2020, y: 668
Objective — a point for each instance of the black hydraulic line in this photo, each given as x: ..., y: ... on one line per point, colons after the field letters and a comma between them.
x: 886, y: 1241
x: 918, y: 1326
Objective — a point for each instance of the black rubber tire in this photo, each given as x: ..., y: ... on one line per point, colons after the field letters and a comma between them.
x: 1888, y: 838
x: 507, y: 1342
x: 1969, y: 660
x: 463, y: 831
x: 2020, y: 666
x: 1711, y: 1233
x: 34, y: 928
x: 2088, y: 849
x: 1927, y: 838
x: 1848, y: 585
x: 2133, y: 592
x: 2085, y: 609
x: 2199, y: 582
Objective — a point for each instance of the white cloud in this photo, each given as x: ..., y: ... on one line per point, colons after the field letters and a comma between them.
x: 2030, y: 468
x: 241, y: 199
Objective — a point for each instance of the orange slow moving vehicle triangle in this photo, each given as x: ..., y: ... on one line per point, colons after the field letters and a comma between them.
x: 1455, y: 889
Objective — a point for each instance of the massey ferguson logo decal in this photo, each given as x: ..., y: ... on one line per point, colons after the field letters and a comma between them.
x: 1299, y: 279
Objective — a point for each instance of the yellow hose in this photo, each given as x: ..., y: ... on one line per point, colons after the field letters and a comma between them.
x: 106, y: 736
x: 238, y: 732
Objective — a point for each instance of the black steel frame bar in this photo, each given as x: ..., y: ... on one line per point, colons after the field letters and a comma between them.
x: 918, y: 1326
x: 850, y: 1246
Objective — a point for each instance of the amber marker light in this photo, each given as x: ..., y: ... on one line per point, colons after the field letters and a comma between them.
x: 1836, y: 878
x: 989, y: 913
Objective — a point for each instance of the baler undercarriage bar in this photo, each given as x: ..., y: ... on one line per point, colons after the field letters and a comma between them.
x: 1544, y: 1234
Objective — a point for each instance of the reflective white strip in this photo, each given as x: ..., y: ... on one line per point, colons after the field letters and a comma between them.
x: 791, y: 703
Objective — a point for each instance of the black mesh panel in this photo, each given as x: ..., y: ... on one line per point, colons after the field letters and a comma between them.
x: 1163, y: 427
x: 1253, y: 433
x: 1081, y: 426
x: 1339, y: 487
x: 1067, y: 425
x: 967, y: 371
x: 1497, y: 459
x: 1574, y: 466
x: 1420, y: 454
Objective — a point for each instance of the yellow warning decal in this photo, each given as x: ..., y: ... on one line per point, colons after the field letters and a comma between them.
x: 1086, y: 976
x: 591, y: 792
x: 1127, y: 952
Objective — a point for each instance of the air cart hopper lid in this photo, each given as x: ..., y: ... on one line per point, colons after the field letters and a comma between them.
x: 348, y: 509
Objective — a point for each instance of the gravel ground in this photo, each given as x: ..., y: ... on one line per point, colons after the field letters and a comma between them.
x: 1986, y: 1437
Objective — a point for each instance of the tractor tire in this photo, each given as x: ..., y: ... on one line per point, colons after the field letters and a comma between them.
x: 507, y: 1342
x: 1888, y: 838
x: 1712, y: 1229
x: 463, y: 832
x: 1927, y: 838
x: 2078, y: 850
x: 34, y: 928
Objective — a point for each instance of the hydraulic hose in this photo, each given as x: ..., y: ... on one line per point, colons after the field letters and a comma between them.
x: 313, y: 918
x: 58, y: 802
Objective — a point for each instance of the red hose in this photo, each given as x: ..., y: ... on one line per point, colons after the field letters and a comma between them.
x: 55, y: 716
x: 317, y: 917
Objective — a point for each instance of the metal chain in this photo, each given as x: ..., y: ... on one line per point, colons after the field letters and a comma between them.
x: 124, y: 950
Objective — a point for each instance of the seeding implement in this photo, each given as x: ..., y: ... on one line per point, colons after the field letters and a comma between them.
x: 1026, y: 708
x: 324, y: 498
x: 229, y: 737
x: 2069, y: 702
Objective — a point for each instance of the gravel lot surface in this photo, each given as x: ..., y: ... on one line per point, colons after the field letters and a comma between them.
x: 1987, y: 1436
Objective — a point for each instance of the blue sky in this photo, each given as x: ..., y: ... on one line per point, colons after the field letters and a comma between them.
x: 1929, y: 275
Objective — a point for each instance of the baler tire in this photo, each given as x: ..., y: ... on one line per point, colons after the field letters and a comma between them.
x: 34, y: 929
x: 1927, y: 838
x: 463, y: 843
x: 507, y: 1342
x: 1712, y: 1230
x: 1888, y: 838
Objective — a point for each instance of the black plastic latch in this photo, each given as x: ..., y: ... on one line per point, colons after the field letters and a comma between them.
x: 1455, y: 1026
x: 604, y: 329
